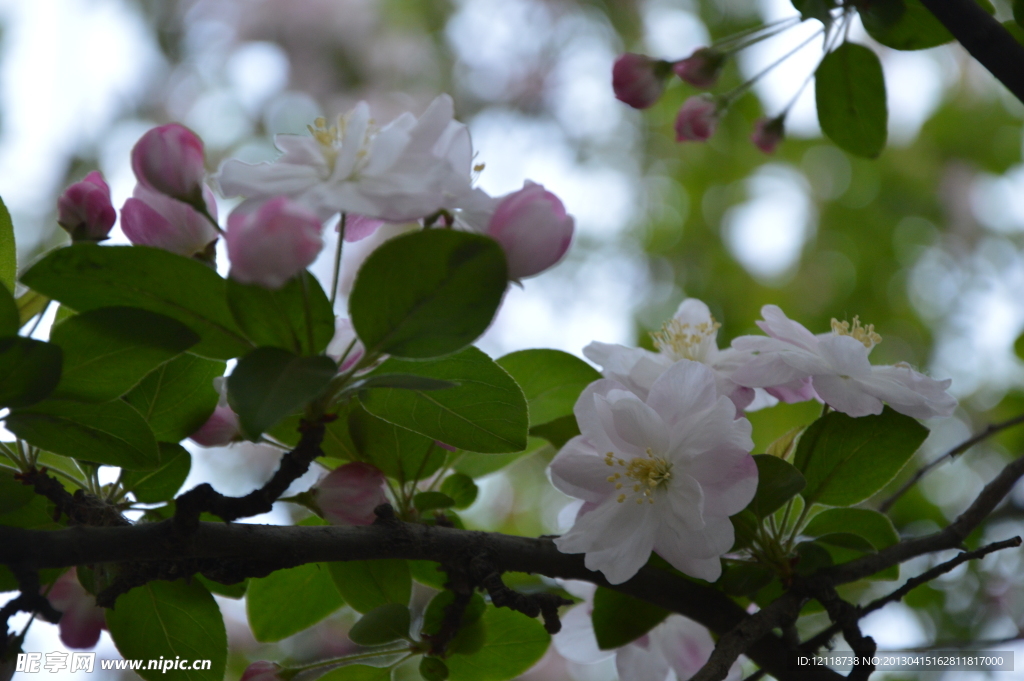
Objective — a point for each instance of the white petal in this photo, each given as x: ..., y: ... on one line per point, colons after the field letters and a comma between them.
x: 769, y: 369
x: 685, y: 499
x: 693, y: 312
x: 685, y: 388
x: 686, y: 645
x: 777, y: 325
x: 616, y: 537
x: 577, y: 641
x: 579, y: 471
x: 635, y: 368
x: 587, y: 418
x: 846, y: 395
x: 728, y: 478
x: 301, y: 150
x: 637, y: 663
x: 846, y: 355
x: 265, y: 179
x: 632, y: 426
x: 677, y: 542
x: 711, y: 428
x: 910, y: 392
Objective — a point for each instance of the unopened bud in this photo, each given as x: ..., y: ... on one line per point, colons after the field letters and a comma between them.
x: 84, y: 209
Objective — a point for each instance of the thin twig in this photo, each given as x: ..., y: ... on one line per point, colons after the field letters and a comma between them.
x: 988, y: 432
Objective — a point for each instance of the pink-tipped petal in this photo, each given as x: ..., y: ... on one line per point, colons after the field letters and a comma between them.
x: 84, y: 209
x: 170, y: 159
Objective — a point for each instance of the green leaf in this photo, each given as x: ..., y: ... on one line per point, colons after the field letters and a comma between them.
x: 369, y: 584
x: 551, y: 380
x: 557, y: 432
x: 745, y: 579
x: 873, y: 526
x: 10, y: 320
x: 382, y: 625
x: 744, y: 525
x: 278, y: 318
x: 234, y: 591
x: 287, y: 601
x: 903, y: 24
x: 399, y: 453
x: 777, y: 483
x: 845, y: 460
x: 162, y: 483
x: 170, y: 620
x: 850, y: 94
x: 268, y: 384
x: 815, y: 9
x: 433, y: 616
x: 846, y: 540
x: 428, y: 572
x: 406, y: 381
x: 110, y: 433
x: 811, y: 557
x: 486, y: 413
x: 358, y: 672
x: 514, y: 643
x: 108, y: 350
x: 476, y: 465
x: 87, y: 276
x: 30, y: 303
x: 620, y: 619
x: 13, y: 494
x: 29, y: 371
x: 429, y: 501
x: 461, y: 489
x: 428, y: 293
x: 433, y: 669
x: 177, y: 397
x: 8, y: 249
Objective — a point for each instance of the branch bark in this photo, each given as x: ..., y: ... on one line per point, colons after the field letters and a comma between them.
x: 985, y: 39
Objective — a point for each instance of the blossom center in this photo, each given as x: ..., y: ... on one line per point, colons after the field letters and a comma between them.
x: 331, y: 139
x: 647, y: 475
x: 682, y: 340
x: 864, y: 334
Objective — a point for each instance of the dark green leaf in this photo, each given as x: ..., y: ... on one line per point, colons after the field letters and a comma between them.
x: 903, y: 24
x: 178, y: 397
x: 846, y: 540
x: 406, y: 381
x: 13, y: 493
x: 268, y: 384
x: 811, y: 557
x: 400, y: 453
x: 777, y: 483
x: 486, y: 413
x: 428, y: 572
x: 358, y: 672
x: 433, y: 669
x: 278, y: 318
x: 288, y: 601
x: 461, y: 489
x: 369, y: 584
x: 745, y: 579
x: 110, y: 433
x: 10, y: 320
x: 428, y: 293
x: 873, y: 526
x: 429, y: 501
x: 557, y: 432
x: 170, y: 620
x: 845, y: 460
x: 850, y: 94
x: 87, y: 276
x: 514, y: 643
x: 162, y: 483
x: 8, y: 249
x: 29, y: 371
x: 108, y: 350
x: 476, y: 465
x: 620, y: 619
x: 234, y: 591
x: 551, y: 380
x: 744, y: 525
x: 382, y: 625
x: 815, y: 9
x: 433, y: 616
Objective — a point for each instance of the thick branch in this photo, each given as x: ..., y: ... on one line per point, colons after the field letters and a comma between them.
x: 985, y: 38
x: 298, y: 545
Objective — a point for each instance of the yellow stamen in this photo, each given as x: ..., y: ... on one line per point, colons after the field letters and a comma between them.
x: 648, y: 473
x: 864, y: 334
x: 681, y: 340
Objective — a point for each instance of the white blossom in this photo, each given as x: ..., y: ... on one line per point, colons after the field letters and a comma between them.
x: 661, y: 474
x: 837, y: 368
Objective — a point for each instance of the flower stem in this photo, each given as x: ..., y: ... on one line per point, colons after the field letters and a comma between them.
x: 337, y: 260
x: 734, y: 94
x: 289, y: 672
x: 739, y: 41
x: 201, y: 208
x: 309, y: 311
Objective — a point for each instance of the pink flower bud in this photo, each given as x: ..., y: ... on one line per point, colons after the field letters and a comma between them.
x: 261, y: 671
x: 768, y: 133
x: 84, y: 209
x: 358, y: 227
x: 220, y: 429
x: 697, y: 119
x: 348, y: 495
x: 702, y: 68
x: 150, y: 218
x: 638, y: 80
x: 81, y: 621
x: 533, y: 228
x: 345, y: 336
x: 273, y: 243
x: 169, y: 159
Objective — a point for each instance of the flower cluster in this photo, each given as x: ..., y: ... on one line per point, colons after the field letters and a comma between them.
x: 662, y: 459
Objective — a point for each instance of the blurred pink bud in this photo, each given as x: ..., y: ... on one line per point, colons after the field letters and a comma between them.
x: 169, y: 159
x: 702, y: 68
x: 150, y: 218
x: 697, y: 119
x: 345, y: 336
x: 261, y: 671
x: 639, y: 80
x: 84, y: 209
x: 219, y: 430
x: 768, y: 133
x: 348, y: 495
x: 82, y: 620
x: 533, y: 228
x: 273, y: 243
x: 358, y: 227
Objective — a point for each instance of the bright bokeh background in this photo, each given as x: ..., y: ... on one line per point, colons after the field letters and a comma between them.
x: 925, y: 242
